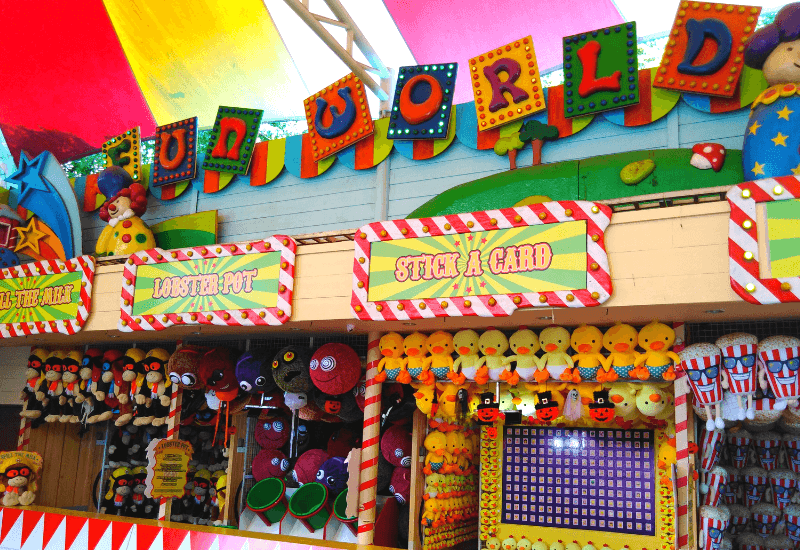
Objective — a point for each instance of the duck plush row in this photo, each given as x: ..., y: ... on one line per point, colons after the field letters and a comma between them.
x: 483, y: 358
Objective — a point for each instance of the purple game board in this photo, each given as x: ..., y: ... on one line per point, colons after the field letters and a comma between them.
x: 580, y: 478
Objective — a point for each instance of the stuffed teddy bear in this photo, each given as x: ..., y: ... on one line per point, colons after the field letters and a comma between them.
x: 33, y: 392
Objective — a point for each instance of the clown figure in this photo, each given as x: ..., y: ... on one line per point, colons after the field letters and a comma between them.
x: 702, y: 365
x: 778, y: 361
x: 739, y: 370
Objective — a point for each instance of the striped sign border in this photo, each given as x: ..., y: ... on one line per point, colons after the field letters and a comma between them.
x: 232, y: 317
x: 597, y: 291
x: 86, y: 264
x: 743, y: 241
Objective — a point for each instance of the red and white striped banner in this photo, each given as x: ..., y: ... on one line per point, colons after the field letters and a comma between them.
x: 277, y: 315
x: 83, y: 264
x: 743, y: 241
x: 598, y: 276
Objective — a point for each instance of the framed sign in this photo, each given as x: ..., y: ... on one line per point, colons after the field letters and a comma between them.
x: 167, y: 466
x: 744, y: 250
x: 46, y: 296
x: 482, y: 263
x: 243, y: 284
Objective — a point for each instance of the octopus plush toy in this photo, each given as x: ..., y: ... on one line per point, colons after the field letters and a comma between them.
x: 467, y: 362
x: 493, y: 345
x: 620, y: 340
x: 657, y: 361
x: 392, y: 362
x: 335, y: 368
x: 587, y: 341
x: 254, y: 373
x: 524, y: 343
x: 555, y: 361
x: 416, y: 360
x: 440, y: 361
x: 290, y: 369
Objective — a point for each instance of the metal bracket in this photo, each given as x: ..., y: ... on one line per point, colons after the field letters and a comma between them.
x: 354, y: 35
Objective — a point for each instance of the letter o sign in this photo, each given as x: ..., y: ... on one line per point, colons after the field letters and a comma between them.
x: 417, y: 113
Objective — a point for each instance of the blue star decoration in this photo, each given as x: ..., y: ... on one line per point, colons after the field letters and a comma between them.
x: 39, y: 195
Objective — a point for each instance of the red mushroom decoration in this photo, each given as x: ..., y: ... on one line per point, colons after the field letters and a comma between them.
x: 708, y: 155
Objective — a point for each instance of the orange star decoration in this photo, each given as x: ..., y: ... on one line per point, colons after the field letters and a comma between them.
x: 29, y: 237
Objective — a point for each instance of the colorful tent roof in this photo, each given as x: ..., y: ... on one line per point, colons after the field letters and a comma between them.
x: 74, y: 76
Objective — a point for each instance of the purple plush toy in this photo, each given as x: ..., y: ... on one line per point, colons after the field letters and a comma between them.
x: 333, y: 475
x: 254, y: 373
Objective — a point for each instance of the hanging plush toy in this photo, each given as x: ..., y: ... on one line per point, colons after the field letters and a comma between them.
x: 158, y: 383
x: 54, y: 386
x: 333, y: 475
x: 466, y: 364
x: 396, y: 446
x: 119, y: 491
x: 290, y: 369
x: 131, y: 367
x: 416, y: 360
x: 778, y: 361
x: 335, y: 368
x: 392, y: 362
x: 602, y: 408
x: 587, y: 341
x: 84, y: 400
x: 547, y: 408
x: 19, y: 471
x: 702, y: 365
x: 739, y: 369
x: 270, y: 463
x: 657, y: 361
x: 493, y: 345
x: 71, y: 364
x: 624, y: 396
x: 218, y: 374
x: 555, y: 361
x: 201, y: 509
x: 33, y: 391
x: 125, y: 233
x: 524, y: 343
x: 139, y: 506
x: 183, y: 368
x: 436, y: 445
x: 272, y: 432
x: 620, y: 340
x: 254, y: 373
x: 440, y: 361
x: 306, y: 468
x: 573, y: 405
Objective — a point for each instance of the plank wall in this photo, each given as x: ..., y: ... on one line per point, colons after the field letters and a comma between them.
x: 344, y: 199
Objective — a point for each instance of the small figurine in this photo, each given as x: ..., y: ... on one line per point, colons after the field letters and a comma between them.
x: 467, y: 362
x: 739, y: 369
x: 587, y: 341
x: 658, y: 362
x: 392, y: 363
x: 125, y: 233
x: 440, y: 362
x: 555, y: 361
x: 524, y: 343
x: 416, y: 360
x: 493, y: 344
x: 620, y: 340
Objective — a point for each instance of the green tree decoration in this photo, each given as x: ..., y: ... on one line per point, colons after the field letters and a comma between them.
x: 509, y: 143
x: 537, y: 133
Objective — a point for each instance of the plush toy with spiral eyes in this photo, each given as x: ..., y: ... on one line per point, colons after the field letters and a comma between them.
x: 254, y: 372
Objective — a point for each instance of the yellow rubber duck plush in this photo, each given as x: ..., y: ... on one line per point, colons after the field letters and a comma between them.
x: 436, y: 445
x: 587, y: 341
x: 392, y: 363
x: 467, y: 362
x: 416, y: 355
x: 524, y: 343
x: 623, y: 395
x: 493, y: 344
x: 620, y: 341
x: 424, y: 397
x: 657, y: 361
x: 446, y: 414
x: 440, y: 362
x: 555, y: 361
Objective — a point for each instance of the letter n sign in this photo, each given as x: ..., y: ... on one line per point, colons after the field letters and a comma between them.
x: 705, y: 50
x: 505, y: 83
x: 601, y: 70
x: 175, y: 155
x: 232, y: 140
x: 338, y: 116
x: 423, y: 99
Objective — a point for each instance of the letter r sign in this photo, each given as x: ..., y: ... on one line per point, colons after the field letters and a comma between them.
x: 505, y: 83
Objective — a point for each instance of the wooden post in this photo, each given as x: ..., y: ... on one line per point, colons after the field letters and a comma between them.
x: 370, y: 448
x: 173, y: 425
x: 420, y: 426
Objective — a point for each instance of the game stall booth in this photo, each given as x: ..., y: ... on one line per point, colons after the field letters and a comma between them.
x: 597, y: 352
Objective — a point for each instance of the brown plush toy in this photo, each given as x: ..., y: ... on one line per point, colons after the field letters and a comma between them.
x: 130, y: 375
x: 18, y: 479
x: 53, y: 385
x: 154, y: 392
x: 71, y: 364
x: 33, y: 392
